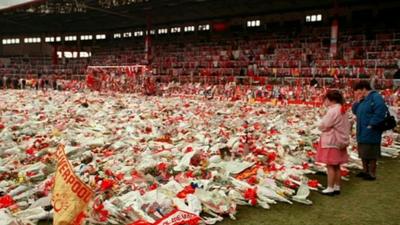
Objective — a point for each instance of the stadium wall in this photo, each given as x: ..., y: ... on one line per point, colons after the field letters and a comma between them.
x: 39, y: 49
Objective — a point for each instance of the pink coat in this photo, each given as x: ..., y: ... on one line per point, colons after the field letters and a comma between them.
x: 335, y: 127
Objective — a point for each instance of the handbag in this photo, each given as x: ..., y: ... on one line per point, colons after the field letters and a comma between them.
x: 388, y: 123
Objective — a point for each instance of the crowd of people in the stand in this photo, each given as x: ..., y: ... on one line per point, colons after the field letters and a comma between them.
x: 11, y: 82
x: 41, y: 83
x: 300, y: 91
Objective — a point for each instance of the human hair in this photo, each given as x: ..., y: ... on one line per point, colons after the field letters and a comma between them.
x: 362, y: 85
x: 335, y: 96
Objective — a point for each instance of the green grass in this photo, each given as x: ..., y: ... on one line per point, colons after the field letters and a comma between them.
x: 361, y: 203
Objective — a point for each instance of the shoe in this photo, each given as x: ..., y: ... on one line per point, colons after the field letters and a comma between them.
x: 328, y: 192
x: 369, y: 177
x: 362, y: 174
x: 336, y: 189
x: 332, y: 193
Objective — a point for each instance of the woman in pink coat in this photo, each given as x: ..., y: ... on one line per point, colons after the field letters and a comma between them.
x: 332, y: 150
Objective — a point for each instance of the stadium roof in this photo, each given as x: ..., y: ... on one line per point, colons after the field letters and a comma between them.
x: 62, y: 16
x: 7, y: 4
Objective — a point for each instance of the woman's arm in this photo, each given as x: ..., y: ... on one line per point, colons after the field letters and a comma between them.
x: 328, y: 121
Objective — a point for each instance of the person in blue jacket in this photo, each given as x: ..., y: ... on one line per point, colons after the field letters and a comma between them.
x: 370, y: 109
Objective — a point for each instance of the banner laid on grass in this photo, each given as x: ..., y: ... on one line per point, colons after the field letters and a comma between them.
x: 70, y: 195
x: 179, y: 217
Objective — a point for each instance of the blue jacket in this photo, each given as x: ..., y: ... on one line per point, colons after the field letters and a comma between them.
x: 370, y: 111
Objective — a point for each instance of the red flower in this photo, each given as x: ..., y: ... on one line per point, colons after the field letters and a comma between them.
x: 272, y: 167
x: 106, y: 184
x: 78, y: 120
x: 2, y: 126
x: 135, y: 174
x: 6, y: 201
x: 148, y: 130
x: 313, y: 183
x: 257, y: 126
x: 290, y: 184
x: 30, y: 151
x: 189, y: 174
x: 287, y: 183
x: 48, y: 185
x: 153, y: 186
x: 108, y: 172
x: 273, y: 132
x: 344, y: 173
x: 99, y: 208
x: 271, y: 156
x: 162, y: 166
x: 187, y: 190
x: 30, y: 173
x: 252, y: 180
x: 120, y: 176
x: 108, y: 153
x: 188, y: 149
x: 195, y: 160
x: 103, y: 215
x: 43, y: 146
x: 251, y: 195
x: 181, y: 195
x: 310, y: 154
